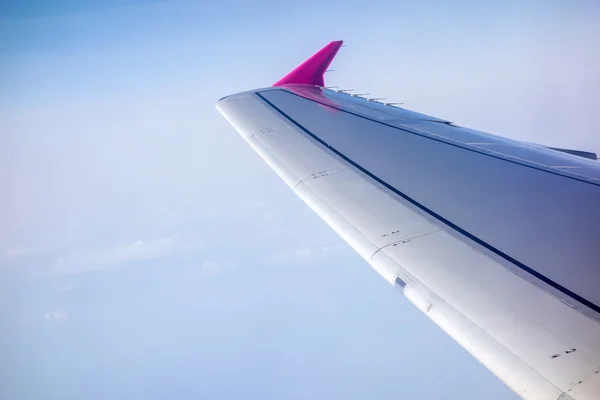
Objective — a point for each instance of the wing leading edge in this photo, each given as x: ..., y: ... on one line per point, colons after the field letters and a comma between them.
x: 495, y: 240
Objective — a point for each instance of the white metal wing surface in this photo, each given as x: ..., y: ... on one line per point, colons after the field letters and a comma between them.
x: 497, y: 241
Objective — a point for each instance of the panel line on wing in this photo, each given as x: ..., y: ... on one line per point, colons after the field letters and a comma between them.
x: 401, y: 241
x: 438, y: 217
x: 320, y: 174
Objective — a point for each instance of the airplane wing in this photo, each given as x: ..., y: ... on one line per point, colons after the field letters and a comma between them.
x: 496, y: 240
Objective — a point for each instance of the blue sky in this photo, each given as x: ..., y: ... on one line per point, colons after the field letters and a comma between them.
x: 147, y: 252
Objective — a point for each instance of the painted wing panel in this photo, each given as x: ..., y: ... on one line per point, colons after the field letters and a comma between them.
x: 537, y: 220
x: 520, y: 328
x: 369, y: 210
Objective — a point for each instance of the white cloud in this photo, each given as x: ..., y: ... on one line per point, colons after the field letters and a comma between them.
x: 121, y: 254
x: 209, y: 268
x: 56, y: 315
x: 32, y: 246
x: 307, y: 254
x: 14, y: 252
x: 66, y: 288
x: 216, y: 267
x: 28, y: 250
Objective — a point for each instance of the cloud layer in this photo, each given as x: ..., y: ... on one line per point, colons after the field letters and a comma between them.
x: 56, y: 315
x: 121, y: 254
x: 307, y: 254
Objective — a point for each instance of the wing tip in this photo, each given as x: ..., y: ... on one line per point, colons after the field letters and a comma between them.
x: 311, y: 71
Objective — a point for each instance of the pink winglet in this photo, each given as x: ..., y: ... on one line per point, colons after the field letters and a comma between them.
x: 311, y: 71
